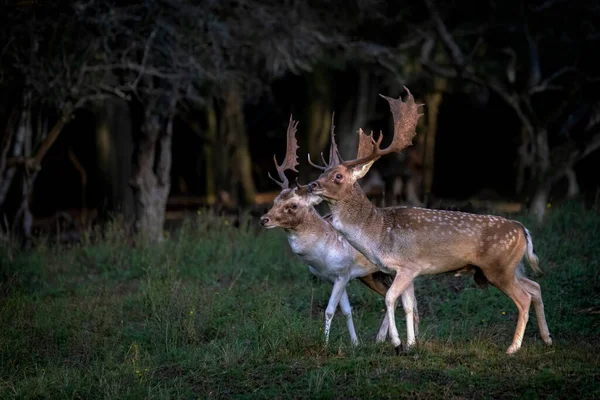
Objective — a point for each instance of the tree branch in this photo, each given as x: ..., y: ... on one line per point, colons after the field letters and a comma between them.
x: 546, y: 83
x: 114, y: 91
x: 449, y: 44
x: 7, y: 140
x: 144, y: 58
x: 28, y: 162
x: 462, y: 70
x: 592, y: 145
x: 545, y: 5
x: 36, y: 161
x: 534, y: 59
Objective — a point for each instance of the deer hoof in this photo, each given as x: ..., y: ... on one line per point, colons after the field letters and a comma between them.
x: 512, y: 350
x: 399, y: 349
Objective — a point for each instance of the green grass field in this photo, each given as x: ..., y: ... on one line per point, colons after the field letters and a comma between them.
x: 223, y: 312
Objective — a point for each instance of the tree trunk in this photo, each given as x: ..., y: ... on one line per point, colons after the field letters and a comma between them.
x: 244, y: 167
x: 210, y: 173
x: 354, y: 116
x: 433, y: 101
x: 114, y: 149
x: 318, y: 121
x: 235, y: 130
x: 24, y: 144
x: 573, y: 189
x: 211, y: 157
x: 525, y: 160
x: 22, y: 157
x: 83, y: 179
x: 27, y: 183
x: 151, y: 180
x: 539, y: 201
x: 24, y: 212
x: 542, y: 152
x: 552, y: 168
x: 18, y: 142
x: 542, y: 176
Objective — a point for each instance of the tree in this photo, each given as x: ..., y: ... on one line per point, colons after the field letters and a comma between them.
x: 45, y: 62
x: 540, y: 73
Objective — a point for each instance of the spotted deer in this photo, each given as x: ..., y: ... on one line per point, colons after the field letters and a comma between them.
x: 314, y: 240
x: 409, y: 242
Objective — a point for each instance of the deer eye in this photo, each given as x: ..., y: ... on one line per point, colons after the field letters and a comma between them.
x: 294, y: 206
x: 339, y: 177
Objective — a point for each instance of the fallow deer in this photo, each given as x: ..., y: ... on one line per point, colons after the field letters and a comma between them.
x: 416, y: 241
x: 315, y: 241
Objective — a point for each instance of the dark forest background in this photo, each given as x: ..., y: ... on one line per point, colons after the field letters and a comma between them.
x: 145, y: 109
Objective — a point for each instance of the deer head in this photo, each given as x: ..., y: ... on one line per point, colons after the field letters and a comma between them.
x: 339, y: 179
x: 292, y: 204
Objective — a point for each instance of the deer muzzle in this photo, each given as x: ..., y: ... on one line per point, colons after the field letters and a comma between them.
x: 314, y: 187
x: 264, y: 220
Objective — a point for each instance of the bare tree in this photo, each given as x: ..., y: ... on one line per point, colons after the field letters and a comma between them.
x: 45, y: 63
x: 529, y: 83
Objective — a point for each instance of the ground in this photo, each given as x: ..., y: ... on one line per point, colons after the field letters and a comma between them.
x: 217, y: 311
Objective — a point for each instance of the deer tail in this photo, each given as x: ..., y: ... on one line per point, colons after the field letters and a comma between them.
x: 532, y: 258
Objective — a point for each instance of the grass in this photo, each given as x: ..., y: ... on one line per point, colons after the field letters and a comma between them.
x: 223, y: 312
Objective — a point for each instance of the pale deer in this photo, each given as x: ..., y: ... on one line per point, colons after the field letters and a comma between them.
x: 409, y: 242
x: 314, y: 240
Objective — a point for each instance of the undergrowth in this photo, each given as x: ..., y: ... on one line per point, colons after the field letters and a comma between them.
x: 216, y: 311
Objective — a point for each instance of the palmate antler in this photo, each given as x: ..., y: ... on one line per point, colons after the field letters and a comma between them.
x: 365, y: 144
x: 291, y: 158
x: 334, y: 154
x: 405, y: 116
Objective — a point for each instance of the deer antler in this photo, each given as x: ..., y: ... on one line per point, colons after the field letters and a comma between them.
x: 405, y: 116
x: 291, y: 158
x: 334, y: 154
x: 365, y: 144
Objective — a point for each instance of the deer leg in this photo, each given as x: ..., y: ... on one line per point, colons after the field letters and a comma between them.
x: 410, y: 291
x: 347, y: 311
x: 408, y: 303
x: 339, y: 286
x: 383, y: 330
x: 377, y: 284
x: 533, y: 288
x: 401, y: 282
x: 522, y: 299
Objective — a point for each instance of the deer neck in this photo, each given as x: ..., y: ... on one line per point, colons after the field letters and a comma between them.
x: 324, y: 249
x: 355, y: 217
x: 308, y: 232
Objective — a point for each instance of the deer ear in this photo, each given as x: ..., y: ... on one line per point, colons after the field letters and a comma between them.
x: 361, y: 170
